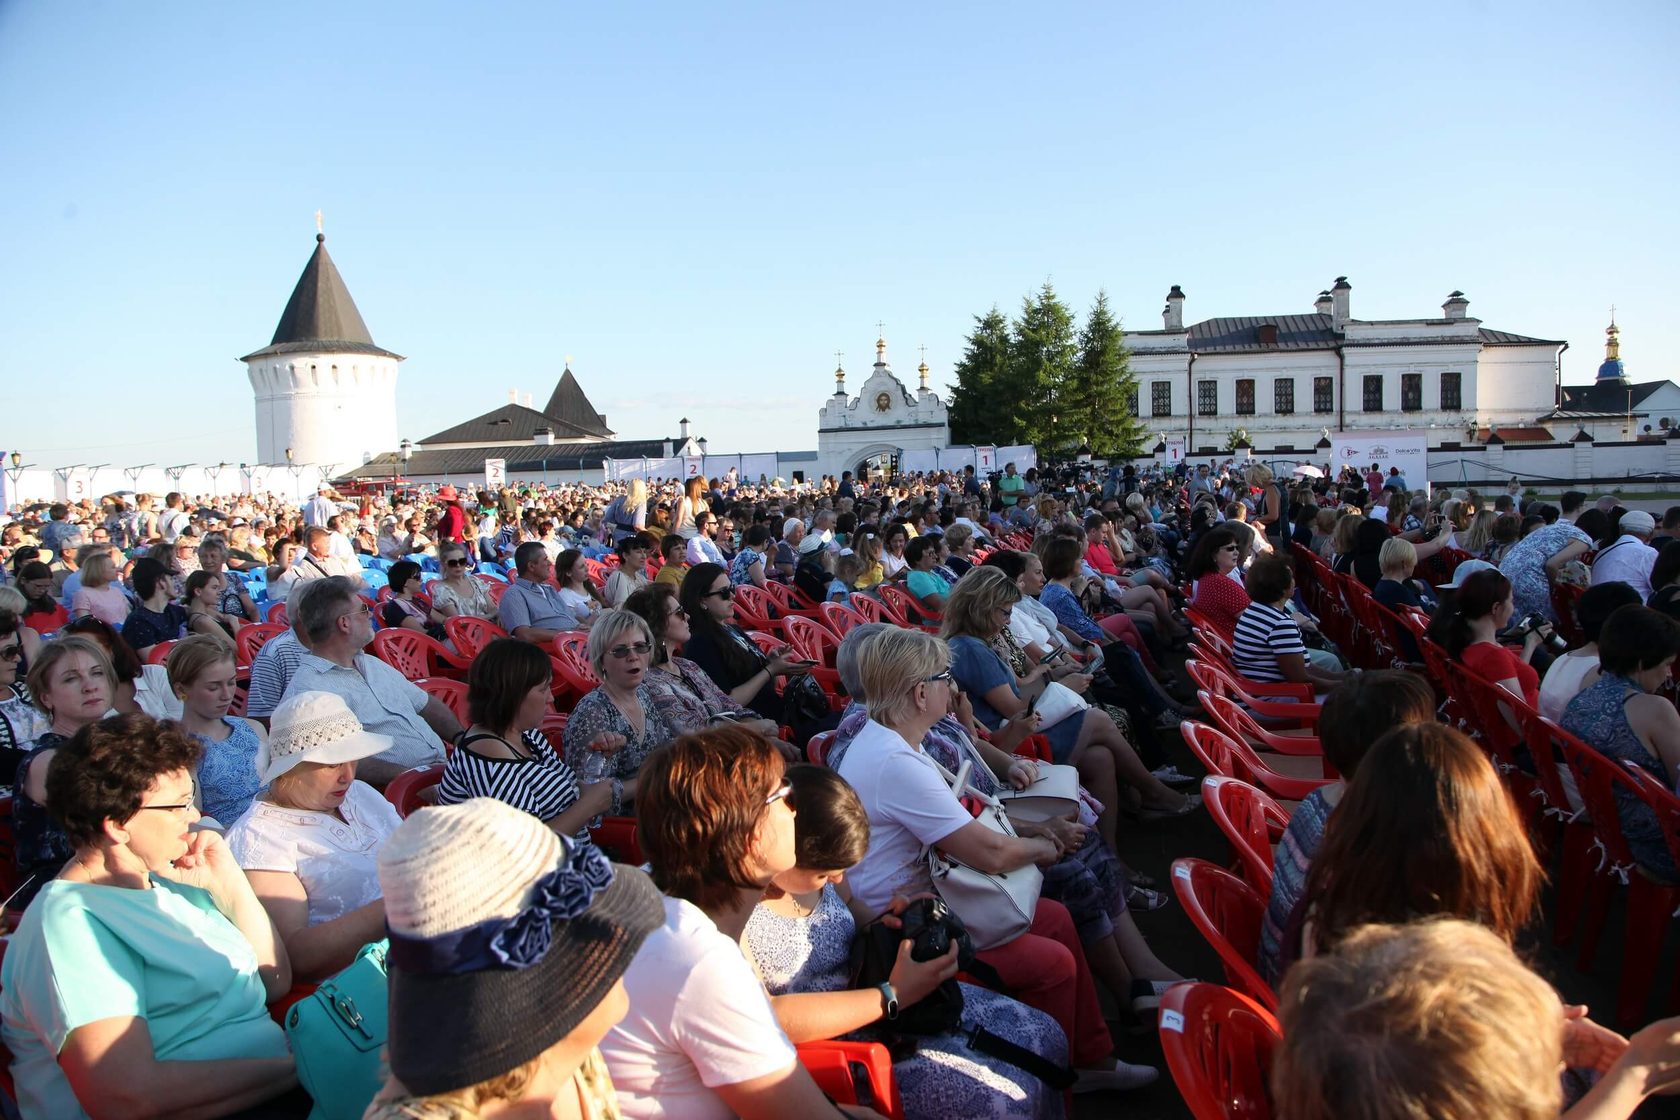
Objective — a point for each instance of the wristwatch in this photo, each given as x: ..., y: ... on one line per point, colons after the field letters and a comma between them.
x: 891, y: 998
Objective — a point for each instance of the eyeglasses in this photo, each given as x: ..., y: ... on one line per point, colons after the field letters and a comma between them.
x: 359, y: 608
x: 458, y: 562
x: 783, y: 792
x: 172, y: 808
x: 640, y: 649
x: 11, y: 653
x: 678, y: 612
x: 721, y: 593
x: 941, y: 676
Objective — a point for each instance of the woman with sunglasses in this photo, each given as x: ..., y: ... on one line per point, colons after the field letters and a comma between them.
x: 459, y: 591
x: 506, y: 755
x: 722, y: 649
x: 1217, y: 585
x: 682, y: 692
x: 21, y: 722
x: 620, y: 707
x: 700, y: 1040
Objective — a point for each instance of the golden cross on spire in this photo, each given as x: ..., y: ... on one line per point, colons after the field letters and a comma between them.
x: 880, y: 329
x: 923, y: 349
x: 318, y: 226
x: 837, y: 356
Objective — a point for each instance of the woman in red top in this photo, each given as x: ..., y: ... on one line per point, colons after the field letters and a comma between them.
x: 1468, y: 625
x: 452, y: 522
x: 1218, y: 596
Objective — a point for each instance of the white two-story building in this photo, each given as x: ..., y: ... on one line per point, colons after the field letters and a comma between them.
x: 1284, y: 379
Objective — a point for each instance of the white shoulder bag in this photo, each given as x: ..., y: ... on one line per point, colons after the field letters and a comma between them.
x: 1054, y: 794
x: 996, y: 908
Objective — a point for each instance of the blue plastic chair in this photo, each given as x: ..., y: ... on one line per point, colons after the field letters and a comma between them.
x: 495, y: 571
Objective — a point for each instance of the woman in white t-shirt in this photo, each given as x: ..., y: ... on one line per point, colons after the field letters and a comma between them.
x: 310, y: 841
x: 700, y: 1040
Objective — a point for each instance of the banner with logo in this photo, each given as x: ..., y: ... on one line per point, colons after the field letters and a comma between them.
x: 1407, y: 450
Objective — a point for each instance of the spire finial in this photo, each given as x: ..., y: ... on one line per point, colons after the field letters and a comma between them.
x: 839, y: 373
x: 880, y: 343
x: 320, y: 230
x: 1612, y: 338
x: 923, y: 368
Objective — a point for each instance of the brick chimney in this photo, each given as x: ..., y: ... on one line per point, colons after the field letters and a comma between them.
x: 1340, y: 294
x: 1324, y: 305
x: 1173, y: 316
x: 1456, y: 306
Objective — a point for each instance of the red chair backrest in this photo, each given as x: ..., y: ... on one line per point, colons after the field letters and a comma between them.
x: 1251, y: 822
x: 1214, y: 749
x: 810, y: 638
x: 617, y: 837
x: 1228, y: 914
x: 403, y: 650
x: 414, y: 789
x: 571, y: 663
x: 869, y: 607
x: 159, y: 654
x: 915, y: 614
x: 471, y: 633
x: 452, y: 693
x: 250, y: 639
x: 753, y: 609
x: 1233, y: 719
x: 817, y: 749
x: 1219, y: 1044
x: 277, y: 613
x: 840, y: 1067
x: 1597, y: 778
x: 841, y: 618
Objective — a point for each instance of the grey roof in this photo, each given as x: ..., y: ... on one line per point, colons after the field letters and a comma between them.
x: 320, y: 316
x: 1241, y: 334
x: 1506, y: 338
x: 1607, y: 398
x: 1294, y: 332
x: 520, y: 457
x: 569, y: 405
x: 511, y: 423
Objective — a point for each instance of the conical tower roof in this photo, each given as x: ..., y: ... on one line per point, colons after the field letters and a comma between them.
x: 321, y: 316
x: 569, y: 404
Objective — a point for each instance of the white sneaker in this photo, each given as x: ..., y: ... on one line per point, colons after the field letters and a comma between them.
x: 1123, y: 1076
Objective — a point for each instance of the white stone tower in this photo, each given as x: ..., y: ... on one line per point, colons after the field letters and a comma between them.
x: 323, y: 389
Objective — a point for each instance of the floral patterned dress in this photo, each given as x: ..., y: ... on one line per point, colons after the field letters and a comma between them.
x: 944, y: 1077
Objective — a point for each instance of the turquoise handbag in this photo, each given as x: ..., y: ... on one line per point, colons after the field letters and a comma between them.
x: 337, y: 1034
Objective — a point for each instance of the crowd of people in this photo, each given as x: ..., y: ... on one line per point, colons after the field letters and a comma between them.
x: 202, y: 834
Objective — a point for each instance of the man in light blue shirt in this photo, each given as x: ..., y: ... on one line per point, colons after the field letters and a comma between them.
x: 532, y: 609
x: 702, y: 548
x: 336, y: 625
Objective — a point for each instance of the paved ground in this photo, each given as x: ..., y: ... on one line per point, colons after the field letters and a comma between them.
x: 1152, y: 848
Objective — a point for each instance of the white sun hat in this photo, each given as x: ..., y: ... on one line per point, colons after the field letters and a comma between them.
x: 317, y: 727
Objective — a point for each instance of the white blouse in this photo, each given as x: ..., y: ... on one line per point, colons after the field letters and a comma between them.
x: 335, y: 859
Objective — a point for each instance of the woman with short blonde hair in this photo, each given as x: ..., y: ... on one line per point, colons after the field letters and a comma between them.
x: 1397, y: 558
x: 897, y: 661
x: 99, y: 594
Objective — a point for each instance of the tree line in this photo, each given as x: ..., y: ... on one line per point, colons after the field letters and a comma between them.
x: 1037, y: 379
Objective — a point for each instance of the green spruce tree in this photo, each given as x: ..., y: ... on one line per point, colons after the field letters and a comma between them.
x: 1095, y: 407
x: 973, y: 400
x: 1042, y: 352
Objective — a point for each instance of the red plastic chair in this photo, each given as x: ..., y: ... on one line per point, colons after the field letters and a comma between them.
x: 415, y: 789
x: 1561, y: 824
x: 871, y: 608
x: 1649, y: 917
x: 159, y: 654
x: 811, y: 639
x: 415, y: 655
x: 841, y: 618
x: 816, y: 750
x: 1231, y: 718
x: 789, y: 600
x: 915, y: 614
x: 1564, y: 598
x: 754, y: 610
x: 1278, y: 713
x: 452, y: 693
x: 840, y: 1068
x: 1228, y: 914
x: 1251, y: 822
x: 471, y: 634
x: 1233, y: 758
x: 572, y: 671
x: 616, y: 836
x: 1207, y: 646
x: 250, y: 640
x: 1219, y: 1044
x: 277, y: 613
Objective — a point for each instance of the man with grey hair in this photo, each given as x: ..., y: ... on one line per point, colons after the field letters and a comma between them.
x: 336, y: 624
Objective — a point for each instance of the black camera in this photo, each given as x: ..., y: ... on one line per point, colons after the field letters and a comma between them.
x: 930, y: 927
x: 1538, y: 623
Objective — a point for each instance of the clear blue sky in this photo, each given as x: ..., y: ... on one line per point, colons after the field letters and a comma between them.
x: 701, y: 203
